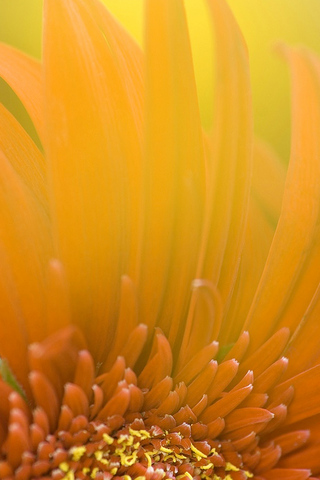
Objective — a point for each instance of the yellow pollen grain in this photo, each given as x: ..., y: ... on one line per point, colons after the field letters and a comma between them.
x: 113, y: 471
x: 109, y: 440
x: 77, y: 453
x: 248, y: 474
x: 213, y: 451
x: 148, y: 457
x: 153, y: 453
x: 206, y: 467
x: 166, y: 450
x: 141, y: 477
x: 126, y: 477
x: 143, y: 434
x: 128, y: 460
x: 85, y: 470
x: 98, y: 454
x: 186, y: 474
x: 180, y: 457
x: 170, y: 457
x: 94, y: 472
x: 69, y: 476
x: 126, y: 439
x: 119, y: 451
x: 136, y: 445
x: 64, y: 466
x: 197, y: 452
x: 231, y: 468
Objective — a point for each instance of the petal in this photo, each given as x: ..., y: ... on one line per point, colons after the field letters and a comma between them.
x: 91, y: 141
x: 300, y: 203
x: 174, y: 166
x: 23, y: 155
x: 230, y: 162
x: 264, y: 209
x: 306, y: 400
x: 130, y: 64
x: 25, y: 247
x: 23, y: 74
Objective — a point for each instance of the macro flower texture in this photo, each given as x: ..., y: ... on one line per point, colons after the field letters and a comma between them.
x: 159, y: 288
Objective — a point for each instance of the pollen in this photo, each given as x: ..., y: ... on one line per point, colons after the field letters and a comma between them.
x: 197, y: 452
x: 231, y: 468
x: 159, y: 454
x: 77, y: 453
x: 109, y: 440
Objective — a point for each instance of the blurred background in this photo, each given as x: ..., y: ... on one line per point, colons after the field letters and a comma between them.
x: 263, y: 22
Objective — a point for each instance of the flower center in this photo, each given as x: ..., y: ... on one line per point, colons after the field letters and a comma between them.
x: 133, y: 451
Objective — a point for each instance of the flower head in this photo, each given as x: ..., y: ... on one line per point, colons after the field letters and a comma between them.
x: 159, y: 303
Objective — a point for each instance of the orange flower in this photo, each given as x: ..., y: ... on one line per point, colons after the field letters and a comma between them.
x: 132, y: 243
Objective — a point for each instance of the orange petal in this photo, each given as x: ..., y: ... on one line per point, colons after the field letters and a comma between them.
x: 239, y: 349
x: 75, y: 398
x: 25, y: 247
x: 174, y: 170
x: 306, y: 400
x: 23, y: 155
x: 287, y: 474
x: 117, y: 405
x: 271, y: 375
x: 230, y: 163
x: 130, y: 64
x: 127, y: 320
x: 201, y: 384
x: 246, y: 416
x: 292, y: 441
x: 300, y: 202
x: 191, y: 369
x: 225, y: 405
x: 269, y: 459
x: 23, y: 74
x: 267, y: 171
x: 45, y: 397
x: 258, y: 238
x: 157, y: 393
x: 268, y: 353
x: 225, y: 374
x: 58, y: 306
x: 90, y: 140
x: 85, y: 372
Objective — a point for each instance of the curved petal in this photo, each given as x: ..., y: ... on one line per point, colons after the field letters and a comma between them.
x: 174, y: 169
x: 230, y: 162
x: 25, y: 246
x: 23, y: 74
x: 300, y: 211
x: 90, y: 141
x: 23, y: 155
x: 264, y: 211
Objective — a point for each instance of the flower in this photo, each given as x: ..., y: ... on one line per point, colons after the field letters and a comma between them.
x: 132, y: 243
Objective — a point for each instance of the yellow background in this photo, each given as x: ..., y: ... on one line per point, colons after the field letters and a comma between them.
x: 263, y: 22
